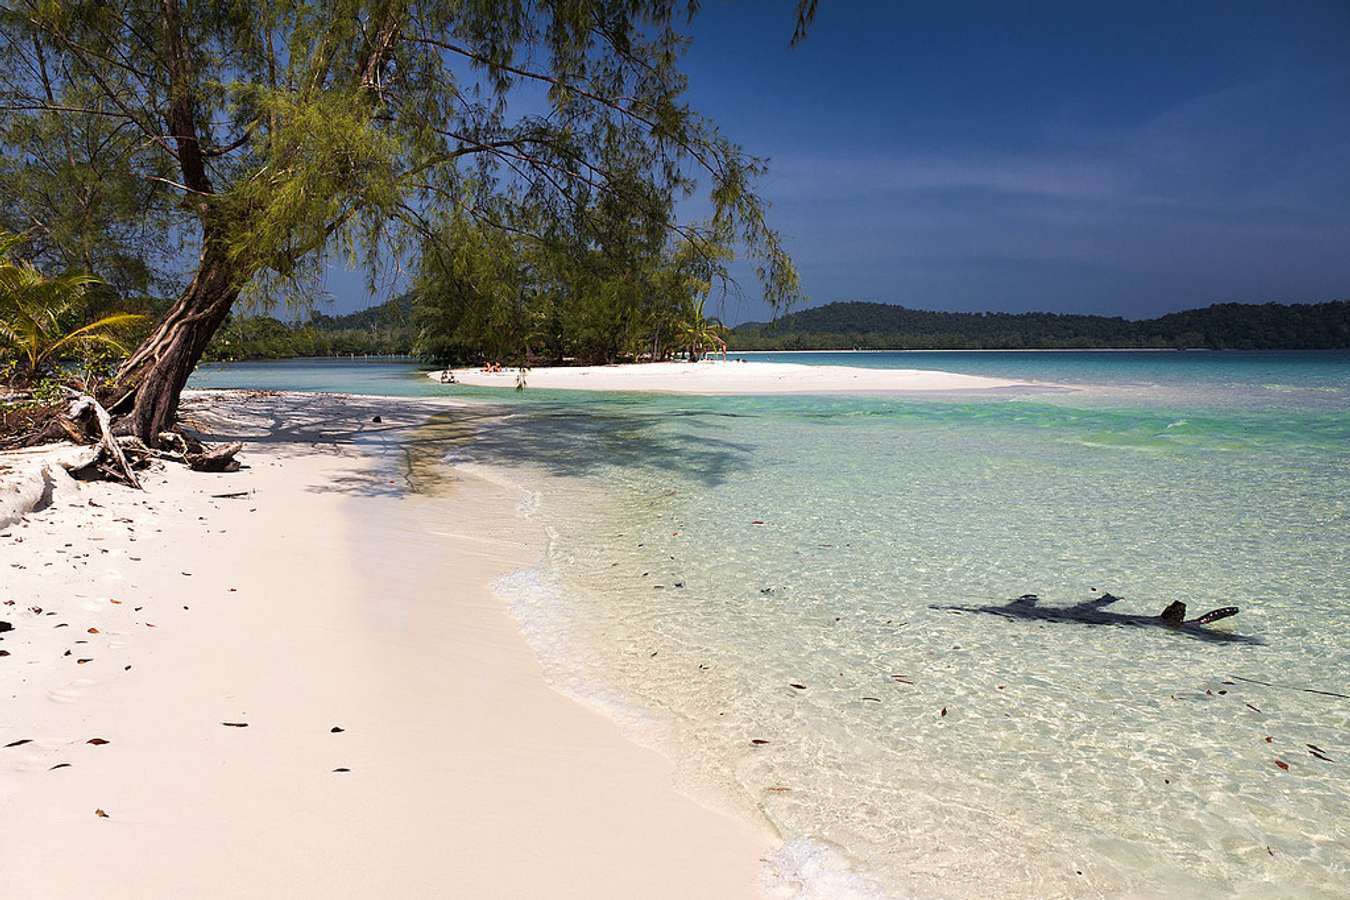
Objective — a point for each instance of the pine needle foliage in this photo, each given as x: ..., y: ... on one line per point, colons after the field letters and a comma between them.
x: 290, y: 132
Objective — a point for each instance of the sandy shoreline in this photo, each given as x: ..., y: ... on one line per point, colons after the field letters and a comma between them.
x: 717, y: 377
x: 326, y: 593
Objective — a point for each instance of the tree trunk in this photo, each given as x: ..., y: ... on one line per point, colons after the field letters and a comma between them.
x: 158, y: 370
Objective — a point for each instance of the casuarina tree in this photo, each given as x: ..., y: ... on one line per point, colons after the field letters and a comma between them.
x: 249, y: 142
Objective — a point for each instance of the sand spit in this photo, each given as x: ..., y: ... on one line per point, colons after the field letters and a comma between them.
x: 716, y: 377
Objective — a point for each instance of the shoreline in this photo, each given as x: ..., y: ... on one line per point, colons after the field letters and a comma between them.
x: 1019, y: 350
x: 713, y: 378
x: 341, y: 590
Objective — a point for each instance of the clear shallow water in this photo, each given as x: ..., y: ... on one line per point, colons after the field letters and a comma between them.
x: 1073, y: 759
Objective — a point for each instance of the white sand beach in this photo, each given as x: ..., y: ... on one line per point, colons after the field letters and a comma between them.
x: 293, y: 680
x: 717, y: 377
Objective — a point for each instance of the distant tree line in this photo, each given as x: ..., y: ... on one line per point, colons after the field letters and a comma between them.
x: 882, y: 326
x: 436, y: 327
x: 381, y: 330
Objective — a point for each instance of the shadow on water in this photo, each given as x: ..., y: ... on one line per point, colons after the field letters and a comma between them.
x: 1094, y: 612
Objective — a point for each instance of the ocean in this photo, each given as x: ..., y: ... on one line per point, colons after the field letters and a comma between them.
x: 805, y: 600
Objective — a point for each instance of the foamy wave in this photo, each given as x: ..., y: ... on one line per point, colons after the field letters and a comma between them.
x: 801, y: 869
x: 807, y: 869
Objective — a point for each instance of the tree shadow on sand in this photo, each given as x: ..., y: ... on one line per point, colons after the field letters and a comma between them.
x: 1094, y: 612
x: 679, y: 443
x: 418, y: 436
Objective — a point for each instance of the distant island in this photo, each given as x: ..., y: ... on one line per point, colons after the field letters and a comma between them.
x: 389, y: 329
x: 884, y: 326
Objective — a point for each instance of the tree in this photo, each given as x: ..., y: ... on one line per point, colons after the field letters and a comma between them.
x: 40, y: 317
x: 698, y: 333
x: 269, y: 135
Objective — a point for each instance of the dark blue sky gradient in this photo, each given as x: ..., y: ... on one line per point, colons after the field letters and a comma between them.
x: 1129, y: 160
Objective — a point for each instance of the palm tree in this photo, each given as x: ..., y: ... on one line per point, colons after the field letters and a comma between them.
x: 39, y: 316
x: 698, y: 332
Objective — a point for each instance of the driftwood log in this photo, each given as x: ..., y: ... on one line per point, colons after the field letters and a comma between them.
x: 83, y: 408
x: 216, y: 459
x: 84, y: 421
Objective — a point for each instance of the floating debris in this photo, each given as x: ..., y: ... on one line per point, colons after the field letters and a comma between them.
x: 101, y: 814
x: 97, y: 742
x: 235, y: 724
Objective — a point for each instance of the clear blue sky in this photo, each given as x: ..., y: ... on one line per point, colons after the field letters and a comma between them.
x: 1128, y: 159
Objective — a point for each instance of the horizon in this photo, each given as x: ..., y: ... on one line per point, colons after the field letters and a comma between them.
x: 1121, y: 163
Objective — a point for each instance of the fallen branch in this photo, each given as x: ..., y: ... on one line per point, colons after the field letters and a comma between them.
x: 215, y: 459
x: 82, y: 405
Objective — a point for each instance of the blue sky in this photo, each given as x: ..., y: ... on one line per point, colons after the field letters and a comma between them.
x: 1127, y: 160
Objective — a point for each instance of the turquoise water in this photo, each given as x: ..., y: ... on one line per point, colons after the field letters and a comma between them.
x: 737, y: 569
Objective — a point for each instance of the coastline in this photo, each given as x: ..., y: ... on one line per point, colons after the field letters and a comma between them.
x: 338, y: 582
x: 712, y: 377
x: 991, y: 350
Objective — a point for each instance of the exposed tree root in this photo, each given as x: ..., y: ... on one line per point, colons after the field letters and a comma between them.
x: 83, y: 408
x: 83, y: 420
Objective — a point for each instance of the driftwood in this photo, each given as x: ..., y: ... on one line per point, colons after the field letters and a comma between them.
x: 216, y: 459
x: 83, y: 406
x: 1094, y: 612
x: 84, y: 421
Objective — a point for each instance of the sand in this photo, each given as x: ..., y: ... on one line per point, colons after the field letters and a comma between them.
x: 322, y: 593
x: 717, y: 377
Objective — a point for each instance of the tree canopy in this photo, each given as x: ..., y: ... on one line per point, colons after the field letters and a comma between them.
x: 231, y: 148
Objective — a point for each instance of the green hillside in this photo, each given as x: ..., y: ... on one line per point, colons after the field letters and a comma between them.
x: 882, y: 326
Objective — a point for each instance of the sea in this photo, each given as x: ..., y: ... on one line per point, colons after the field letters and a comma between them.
x: 918, y: 636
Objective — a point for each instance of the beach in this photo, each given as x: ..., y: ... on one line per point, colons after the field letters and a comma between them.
x: 732, y: 377
x: 641, y: 642
x: 295, y: 680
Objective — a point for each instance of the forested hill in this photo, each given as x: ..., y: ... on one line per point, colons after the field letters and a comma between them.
x: 882, y: 326
x: 395, y: 313
x: 379, y: 330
